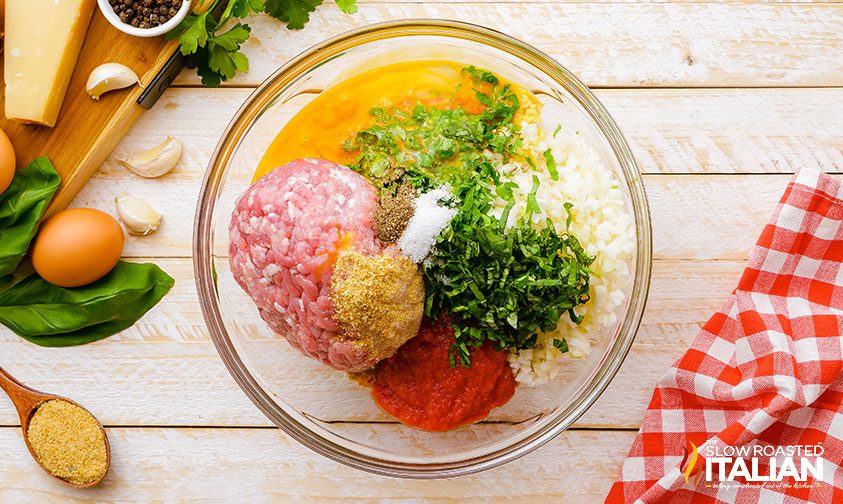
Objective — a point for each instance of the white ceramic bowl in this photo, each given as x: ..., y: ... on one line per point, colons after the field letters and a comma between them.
x: 161, y: 29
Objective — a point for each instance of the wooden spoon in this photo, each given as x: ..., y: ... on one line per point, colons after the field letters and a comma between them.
x: 27, y: 401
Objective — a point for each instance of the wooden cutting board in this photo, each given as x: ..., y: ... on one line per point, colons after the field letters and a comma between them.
x: 87, y: 130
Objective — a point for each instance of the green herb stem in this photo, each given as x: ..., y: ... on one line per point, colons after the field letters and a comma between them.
x: 214, y: 51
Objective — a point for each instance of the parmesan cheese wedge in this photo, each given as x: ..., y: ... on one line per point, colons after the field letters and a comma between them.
x: 43, y: 40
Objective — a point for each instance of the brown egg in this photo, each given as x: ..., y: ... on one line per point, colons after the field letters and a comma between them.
x: 76, y: 247
x: 7, y: 162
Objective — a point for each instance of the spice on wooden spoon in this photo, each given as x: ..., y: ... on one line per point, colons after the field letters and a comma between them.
x: 62, y: 436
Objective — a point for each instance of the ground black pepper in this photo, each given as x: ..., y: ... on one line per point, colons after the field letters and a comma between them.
x: 145, y: 13
x: 394, y: 213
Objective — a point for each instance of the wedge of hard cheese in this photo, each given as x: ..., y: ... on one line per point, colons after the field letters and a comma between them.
x: 43, y: 39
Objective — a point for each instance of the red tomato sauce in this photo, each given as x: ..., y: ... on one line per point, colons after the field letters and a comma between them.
x: 418, y: 386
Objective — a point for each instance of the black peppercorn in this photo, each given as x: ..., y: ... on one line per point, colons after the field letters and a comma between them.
x: 145, y: 13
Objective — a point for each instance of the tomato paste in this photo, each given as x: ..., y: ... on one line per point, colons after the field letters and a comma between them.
x: 419, y: 387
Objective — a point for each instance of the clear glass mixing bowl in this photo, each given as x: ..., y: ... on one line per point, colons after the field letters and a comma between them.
x: 322, y: 408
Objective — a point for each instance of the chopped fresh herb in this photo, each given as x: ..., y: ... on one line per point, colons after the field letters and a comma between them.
x: 551, y: 164
x: 560, y: 344
x: 568, y: 206
x: 557, y: 130
x: 532, y: 203
x: 480, y: 75
x: 430, y: 145
x: 502, y: 285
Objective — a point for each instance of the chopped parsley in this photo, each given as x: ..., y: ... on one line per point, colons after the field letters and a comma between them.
x: 499, y: 285
x: 551, y: 164
x: 560, y: 345
x: 430, y: 145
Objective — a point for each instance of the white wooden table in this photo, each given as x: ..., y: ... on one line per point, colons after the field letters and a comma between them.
x: 720, y: 101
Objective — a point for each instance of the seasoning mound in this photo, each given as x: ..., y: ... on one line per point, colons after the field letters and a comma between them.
x: 378, y: 301
x: 68, y: 442
x: 394, y: 213
x: 430, y: 217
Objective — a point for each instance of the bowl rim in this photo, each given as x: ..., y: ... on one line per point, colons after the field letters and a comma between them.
x: 205, y: 274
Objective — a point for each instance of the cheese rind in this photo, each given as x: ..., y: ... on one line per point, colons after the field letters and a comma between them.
x: 42, y: 44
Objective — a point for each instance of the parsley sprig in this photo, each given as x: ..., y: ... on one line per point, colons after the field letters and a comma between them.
x: 213, y: 47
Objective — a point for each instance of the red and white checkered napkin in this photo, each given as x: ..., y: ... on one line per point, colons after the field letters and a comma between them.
x: 763, y: 371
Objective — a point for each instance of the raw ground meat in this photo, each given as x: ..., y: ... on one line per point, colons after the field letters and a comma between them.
x: 285, y: 232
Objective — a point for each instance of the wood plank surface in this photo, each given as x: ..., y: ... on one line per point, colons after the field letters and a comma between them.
x: 636, y: 44
x: 264, y: 465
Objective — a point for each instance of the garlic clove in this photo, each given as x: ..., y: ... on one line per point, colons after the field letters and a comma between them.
x: 108, y: 77
x: 156, y: 161
x: 136, y: 214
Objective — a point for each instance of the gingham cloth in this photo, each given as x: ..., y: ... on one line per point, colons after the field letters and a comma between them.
x: 764, y: 370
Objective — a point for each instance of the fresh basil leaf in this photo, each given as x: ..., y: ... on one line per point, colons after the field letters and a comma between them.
x: 53, y: 316
x: 21, y: 207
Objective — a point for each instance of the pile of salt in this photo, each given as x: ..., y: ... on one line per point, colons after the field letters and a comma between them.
x: 428, y: 220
